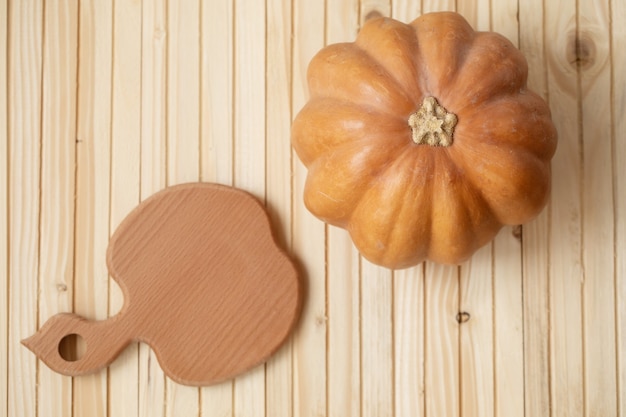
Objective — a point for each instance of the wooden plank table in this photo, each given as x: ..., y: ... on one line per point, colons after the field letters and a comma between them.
x: 103, y: 103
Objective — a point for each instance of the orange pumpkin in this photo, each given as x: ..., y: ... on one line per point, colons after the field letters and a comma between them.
x: 422, y: 139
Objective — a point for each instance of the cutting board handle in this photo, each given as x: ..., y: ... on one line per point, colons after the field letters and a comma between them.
x: 104, y: 341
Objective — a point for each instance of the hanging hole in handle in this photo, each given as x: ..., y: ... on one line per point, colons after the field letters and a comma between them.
x: 72, y: 347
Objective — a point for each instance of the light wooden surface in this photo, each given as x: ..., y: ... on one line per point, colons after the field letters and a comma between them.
x: 103, y: 103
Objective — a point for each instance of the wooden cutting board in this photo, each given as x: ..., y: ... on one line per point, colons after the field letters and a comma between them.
x: 205, y: 285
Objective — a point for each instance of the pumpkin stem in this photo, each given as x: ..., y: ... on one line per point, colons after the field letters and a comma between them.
x: 432, y: 124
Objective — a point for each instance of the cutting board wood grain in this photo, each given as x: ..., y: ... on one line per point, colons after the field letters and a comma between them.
x: 204, y: 285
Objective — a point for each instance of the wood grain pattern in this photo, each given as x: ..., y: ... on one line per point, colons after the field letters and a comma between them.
x: 4, y: 206
x: 93, y: 163
x: 58, y: 155
x: 598, y: 223
x: 163, y: 92
x: 477, y: 333
x: 566, y: 274
x: 409, y: 343
x: 441, y: 331
x: 24, y: 61
x: 618, y: 103
x: 154, y: 169
x: 536, y: 240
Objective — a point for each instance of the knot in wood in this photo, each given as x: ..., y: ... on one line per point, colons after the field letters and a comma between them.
x: 581, y: 50
x: 463, y: 317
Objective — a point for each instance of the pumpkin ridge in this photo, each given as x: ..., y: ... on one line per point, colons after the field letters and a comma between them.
x: 499, y: 60
x: 398, y: 84
x: 424, y: 240
x: 489, y: 228
x: 435, y: 28
x: 370, y: 81
x: 364, y: 106
x: 308, y: 141
x: 384, y: 169
x: 332, y: 164
x: 442, y: 94
x: 536, y: 136
x: 352, y: 226
x: 389, y: 193
x: 370, y: 48
x: 454, y: 157
x: 429, y: 251
x: 517, y: 148
x: 453, y: 238
x: 526, y: 111
x: 530, y: 202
